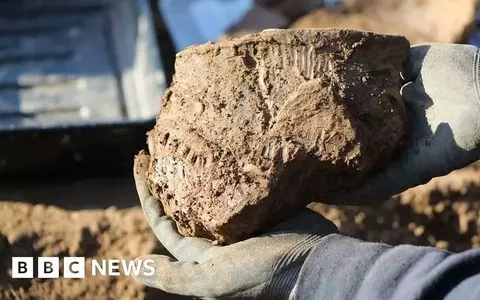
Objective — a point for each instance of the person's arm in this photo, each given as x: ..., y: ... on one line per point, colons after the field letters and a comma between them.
x: 442, y: 95
x: 304, y: 258
x: 340, y: 267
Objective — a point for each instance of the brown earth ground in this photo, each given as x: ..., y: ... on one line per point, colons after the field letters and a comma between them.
x: 102, y: 219
x: 93, y: 218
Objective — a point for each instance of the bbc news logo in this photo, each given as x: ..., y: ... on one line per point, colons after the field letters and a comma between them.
x: 75, y: 267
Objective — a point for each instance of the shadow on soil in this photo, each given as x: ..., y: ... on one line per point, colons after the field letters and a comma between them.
x: 75, y: 194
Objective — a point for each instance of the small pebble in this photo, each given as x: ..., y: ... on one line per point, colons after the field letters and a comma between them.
x: 360, y: 217
x: 442, y: 245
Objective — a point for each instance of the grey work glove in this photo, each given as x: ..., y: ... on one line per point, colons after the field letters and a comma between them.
x: 264, y: 267
x: 443, y: 104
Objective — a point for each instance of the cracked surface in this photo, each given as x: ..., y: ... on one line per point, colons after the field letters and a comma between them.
x: 255, y: 128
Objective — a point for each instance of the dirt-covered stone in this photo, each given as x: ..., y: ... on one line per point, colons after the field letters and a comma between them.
x: 252, y: 129
x: 447, y: 21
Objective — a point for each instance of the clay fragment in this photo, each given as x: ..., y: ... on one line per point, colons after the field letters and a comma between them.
x: 253, y: 129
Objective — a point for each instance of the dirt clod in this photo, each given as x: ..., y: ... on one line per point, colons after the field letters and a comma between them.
x: 287, y: 117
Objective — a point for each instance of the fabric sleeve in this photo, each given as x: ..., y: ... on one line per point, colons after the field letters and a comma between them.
x: 340, y: 267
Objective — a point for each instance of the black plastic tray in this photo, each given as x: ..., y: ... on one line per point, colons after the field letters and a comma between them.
x: 80, y: 84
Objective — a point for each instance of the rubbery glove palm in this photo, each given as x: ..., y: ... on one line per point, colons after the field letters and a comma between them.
x: 443, y: 104
x: 264, y: 267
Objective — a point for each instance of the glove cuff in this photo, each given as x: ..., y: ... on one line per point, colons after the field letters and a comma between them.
x: 287, y: 269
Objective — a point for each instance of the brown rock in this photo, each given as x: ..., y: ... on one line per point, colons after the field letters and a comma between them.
x: 448, y: 21
x: 255, y: 128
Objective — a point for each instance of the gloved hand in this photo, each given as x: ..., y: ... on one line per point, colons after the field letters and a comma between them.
x: 443, y: 103
x: 263, y: 267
